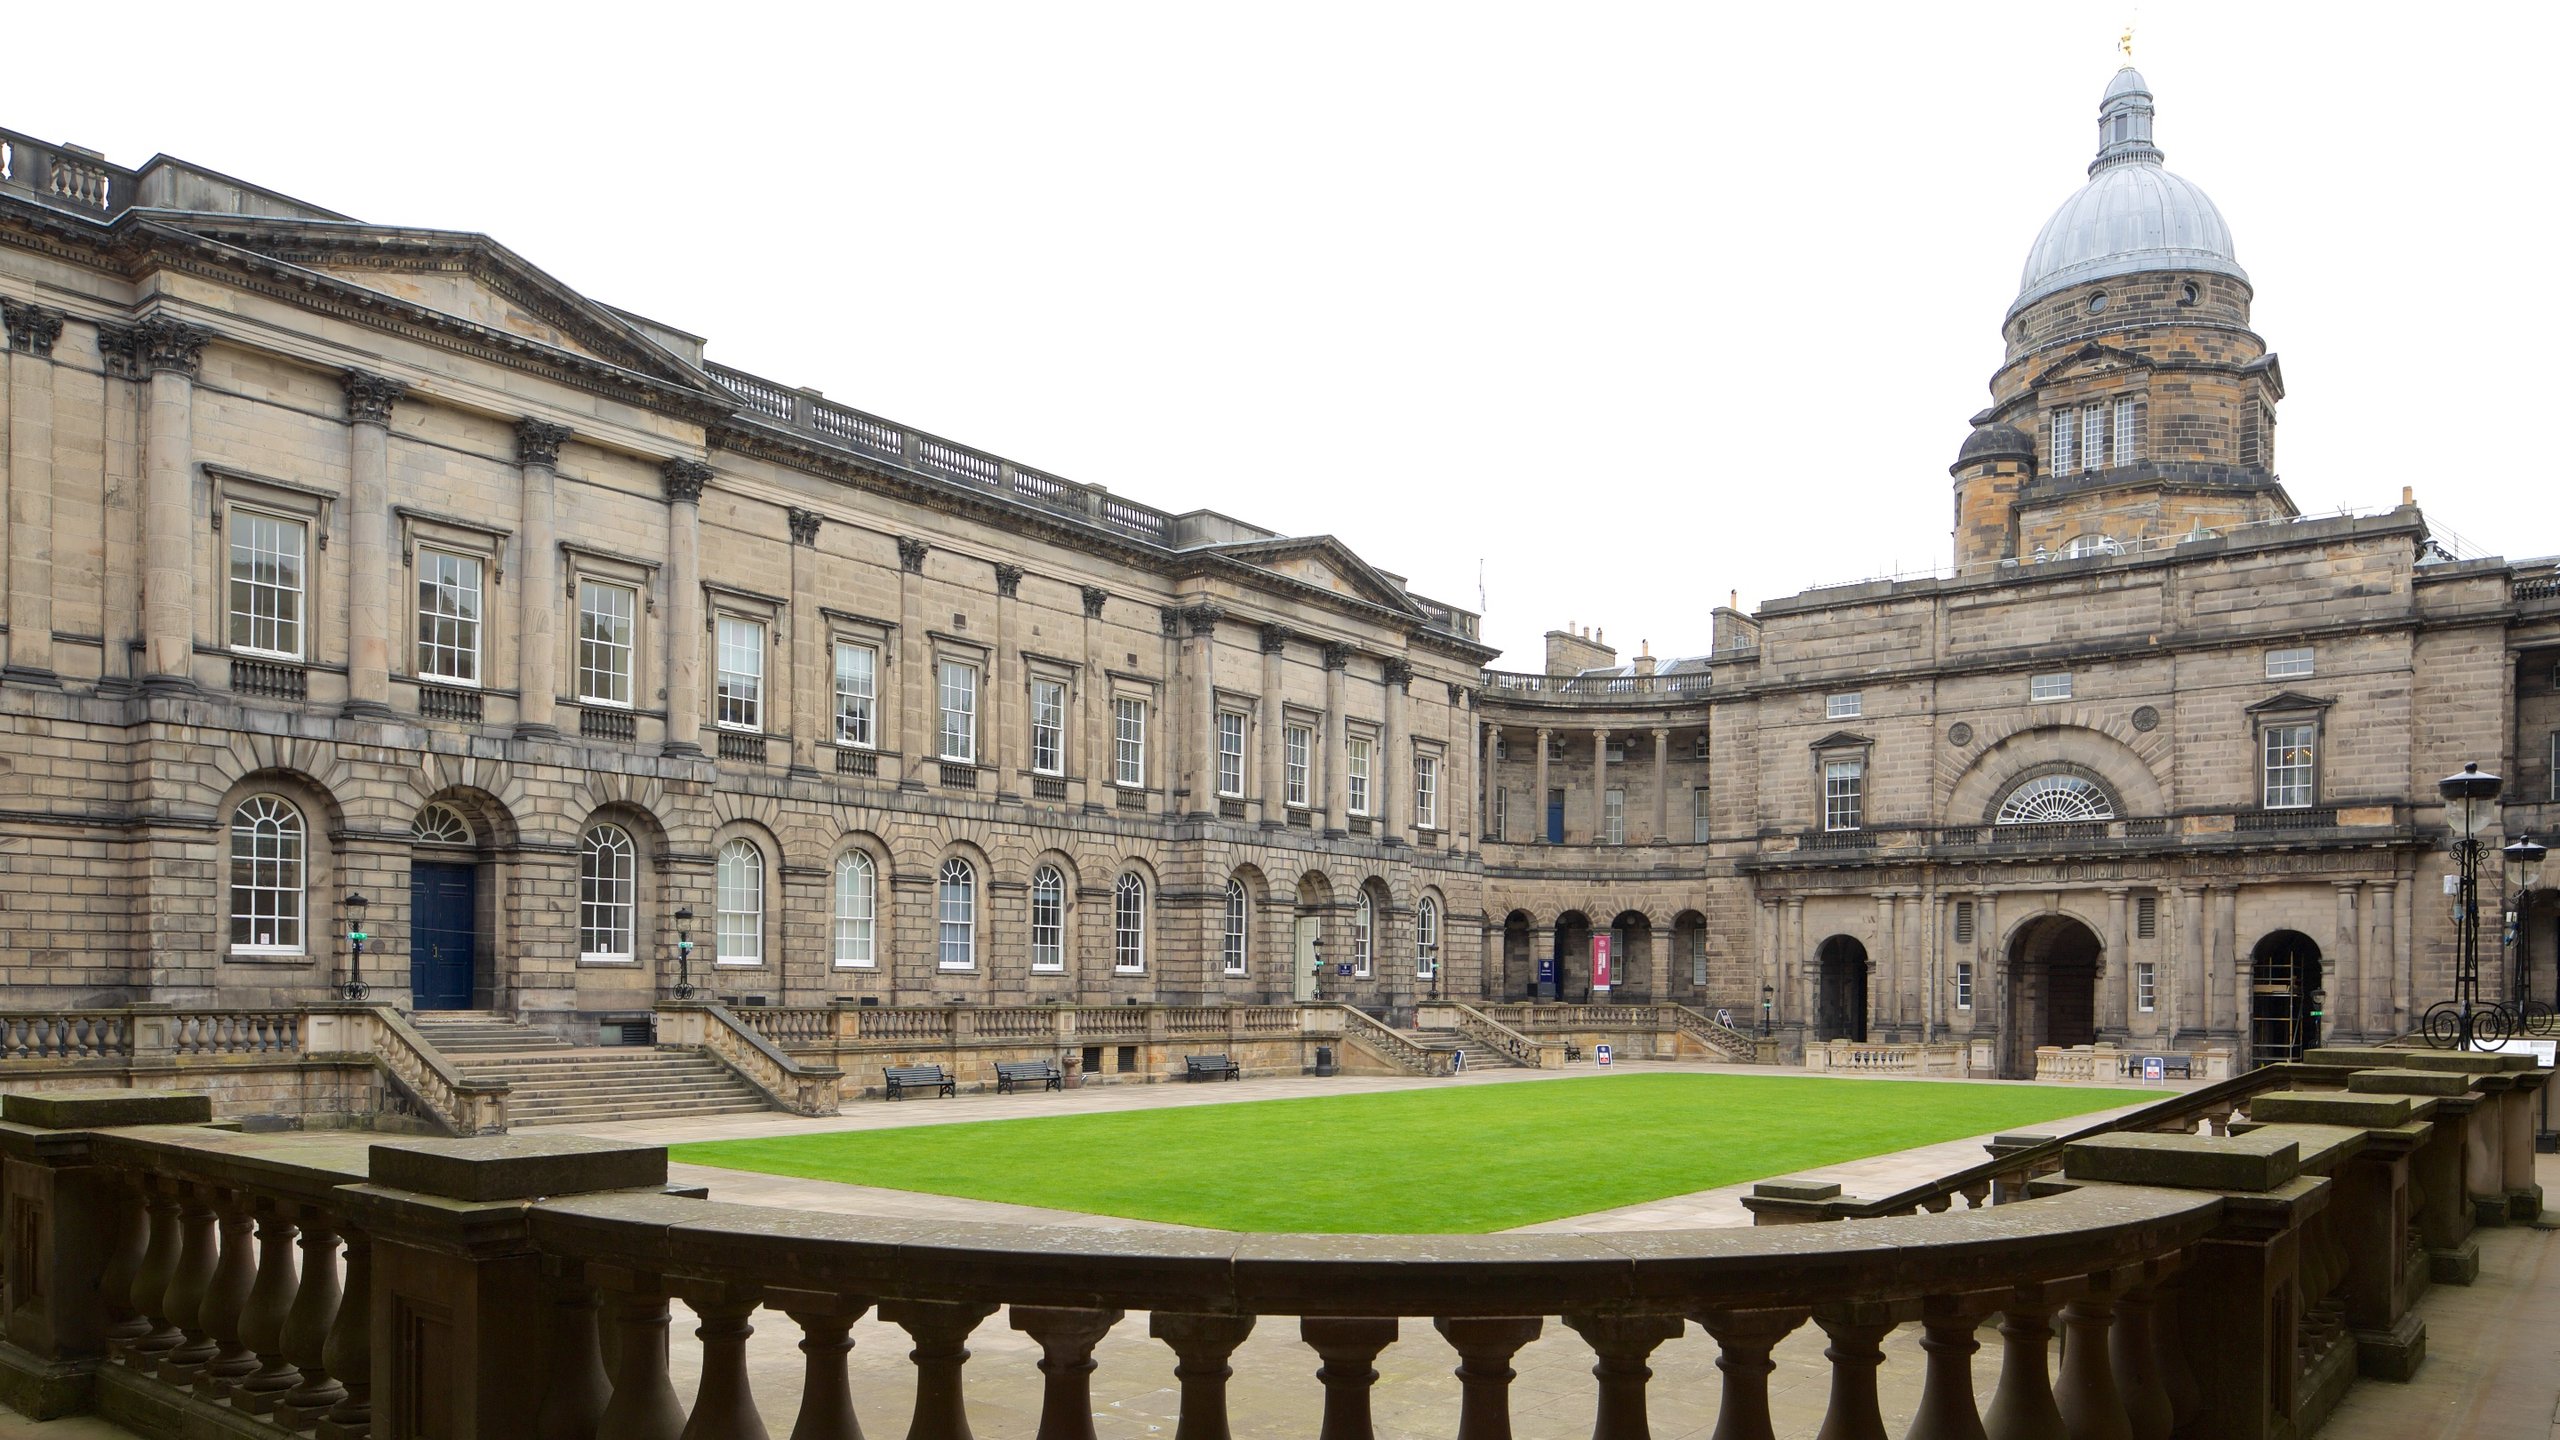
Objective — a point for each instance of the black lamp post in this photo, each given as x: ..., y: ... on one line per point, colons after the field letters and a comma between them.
x: 1431, y: 955
x: 2463, y: 1021
x: 1768, y: 1006
x: 2524, y: 862
x: 355, y: 988
x: 1317, y: 945
x: 684, y: 952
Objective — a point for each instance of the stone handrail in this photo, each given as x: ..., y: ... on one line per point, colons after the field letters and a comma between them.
x: 1467, y: 1020
x: 800, y: 1088
x: 1714, y: 1034
x: 57, y: 1035
x: 1387, y: 1045
x: 2199, y: 1280
x: 148, y: 1033
x: 790, y: 1024
x: 461, y: 1105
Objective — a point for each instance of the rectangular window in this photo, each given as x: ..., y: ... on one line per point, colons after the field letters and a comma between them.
x: 1964, y: 922
x: 1964, y: 984
x: 2128, y: 432
x: 2146, y: 917
x: 2146, y: 994
x: 741, y: 678
x: 2289, y: 664
x: 1356, y: 751
x: 1295, y: 743
x: 1613, y: 816
x: 2093, y: 437
x: 605, y: 642
x: 1698, y: 815
x: 1048, y: 727
x: 1700, y: 752
x: 1501, y: 810
x: 1129, y: 742
x: 2288, y: 766
x: 1230, y: 753
x: 266, y: 585
x: 2066, y: 448
x: 448, y: 617
x: 1844, y: 794
x: 2055, y: 685
x: 1426, y: 792
x: 857, y: 696
x: 1697, y: 957
x: 959, y: 695
x: 1501, y: 747
x: 1844, y: 707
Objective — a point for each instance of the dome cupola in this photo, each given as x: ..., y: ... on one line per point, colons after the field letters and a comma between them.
x: 2132, y: 216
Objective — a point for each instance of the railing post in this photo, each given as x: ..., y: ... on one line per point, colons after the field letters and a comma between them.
x: 1948, y: 1326
x: 226, y: 1305
x: 1744, y: 1339
x: 1201, y: 1344
x: 262, y: 1323
x: 2132, y: 1350
x: 2092, y: 1407
x: 826, y: 1343
x: 188, y: 1285
x: 1856, y: 1350
x: 724, y: 1405
x: 644, y: 1404
x: 307, y: 1325
x: 1622, y: 1343
x: 349, y: 1353
x: 1066, y: 1338
x: 940, y: 1329
x: 2022, y: 1404
x: 1349, y: 1346
x: 576, y: 1388
x: 1485, y: 1346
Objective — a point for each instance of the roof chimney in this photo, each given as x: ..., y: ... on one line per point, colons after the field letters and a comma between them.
x: 2408, y: 494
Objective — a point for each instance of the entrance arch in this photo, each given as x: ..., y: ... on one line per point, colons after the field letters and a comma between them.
x: 1631, y: 957
x: 2284, y: 973
x: 1519, y: 967
x: 1573, y: 957
x: 1840, y: 994
x: 2053, y: 990
x: 452, y: 913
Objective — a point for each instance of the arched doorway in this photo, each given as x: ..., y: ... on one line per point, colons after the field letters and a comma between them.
x: 1688, y: 977
x: 2284, y: 975
x: 1519, y: 967
x: 1306, y: 935
x: 1573, y: 956
x: 2053, y: 990
x: 448, y: 838
x: 1840, y: 990
x: 1631, y: 957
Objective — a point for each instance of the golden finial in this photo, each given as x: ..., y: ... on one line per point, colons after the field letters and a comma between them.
x: 2124, y: 43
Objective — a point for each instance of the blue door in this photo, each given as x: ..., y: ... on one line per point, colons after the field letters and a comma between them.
x: 442, y: 899
x: 1555, y: 817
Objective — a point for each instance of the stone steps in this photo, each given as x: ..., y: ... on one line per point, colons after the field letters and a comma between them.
x: 478, y: 1032
x: 1480, y: 1056
x: 552, y: 1082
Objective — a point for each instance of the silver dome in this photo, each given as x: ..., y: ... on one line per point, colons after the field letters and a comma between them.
x: 2132, y: 216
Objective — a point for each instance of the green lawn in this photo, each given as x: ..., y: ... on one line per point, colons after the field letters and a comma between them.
x: 1463, y: 1160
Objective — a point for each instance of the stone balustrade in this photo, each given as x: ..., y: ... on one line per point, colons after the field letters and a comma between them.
x: 2208, y: 1284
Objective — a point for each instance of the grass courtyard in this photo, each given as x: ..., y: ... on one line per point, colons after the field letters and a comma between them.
x: 1462, y: 1160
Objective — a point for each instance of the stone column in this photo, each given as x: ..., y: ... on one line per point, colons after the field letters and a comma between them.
x: 1008, y: 710
x: 1986, y: 966
x: 1538, y: 797
x: 2116, y: 999
x: 2344, y: 976
x: 1392, y: 806
x: 919, y: 699
x: 1933, y: 999
x: 1885, y: 967
x: 2382, y: 982
x: 1768, y: 935
x: 1097, y: 711
x: 1458, y: 785
x: 1274, y: 788
x: 370, y: 579
x: 1793, y: 957
x: 811, y: 718
x: 2196, y: 1005
x: 2226, y: 906
x: 1661, y: 786
x: 1599, y: 785
x: 1202, y: 620
x: 1337, y: 774
x: 171, y: 353
x: 684, y: 481
x: 2404, y: 953
x: 538, y: 598
x: 1492, y: 781
x: 29, y: 511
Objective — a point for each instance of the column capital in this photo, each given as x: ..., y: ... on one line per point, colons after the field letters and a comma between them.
x: 1009, y: 580
x: 1203, y: 619
x: 1275, y: 639
x: 1337, y: 656
x: 153, y: 344
x: 538, y: 442
x: 911, y: 553
x: 1094, y: 595
x: 1398, y: 674
x: 32, y: 328
x: 2348, y: 887
x: 1457, y: 695
x: 370, y: 396
x: 1662, y: 735
x: 1543, y: 733
x: 804, y: 525
x: 684, y: 479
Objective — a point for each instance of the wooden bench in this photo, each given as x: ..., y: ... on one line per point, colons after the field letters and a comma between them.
x: 1572, y: 1053
x: 930, y: 1078
x: 1210, y: 1067
x: 1012, y: 1075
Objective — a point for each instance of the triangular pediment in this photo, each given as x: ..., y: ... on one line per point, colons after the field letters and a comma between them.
x: 2090, y: 359
x: 1325, y: 563
x: 1843, y: 740
x: 2291, y: 700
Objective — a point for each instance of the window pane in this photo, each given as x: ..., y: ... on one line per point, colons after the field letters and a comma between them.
x: 1357, y: 748
x: 956, y: 906
x: 1129, y: 925
x: 2288, y: 766
x: 1129, y: 742
x: 857, y: 695
x: 1048, y: 727
x: 448, y: 616
x: 741, y: 680
x: 740, y: 932
x: 266, y: 876
x: 605, y: 642
x: 266, y: 584
x: 1048, y: 919
x: 959, y: 691
x: 608, y: 894
x: 1231, y: 943
x: 2066, y: 433
x: 1426, y: 791
x: 1614, y: 816
x: 1297, y: 743
x: 1426, y: 937
x: 1364, y: 929
x: 1843, y: 794
x: 857, y: 910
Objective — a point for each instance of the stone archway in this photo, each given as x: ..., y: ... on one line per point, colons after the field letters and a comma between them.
x: 2284, y: 975
x: 1573, y: 956
x: 2052, y: 990
x: 1519, y: 966
x: 1840, y: 989
x: 1631, y: 958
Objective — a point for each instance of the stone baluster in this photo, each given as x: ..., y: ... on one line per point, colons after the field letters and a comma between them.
x: 262, y: 1322
x: 1350, y: 1346
x: 2092, y: 1408
x: 724, y: 1405
x: 940, y: 1329
x: 1857, y: 1347
x: 1623, y: 1343
x: 2022, y: 1406
x: 307, y: 1325
x: 1744, y: 1339
x: 226, y: 1304
x: 2177, y: 1374
x: 644, y: 1404
x: 188, y: 1285
x: 1201, y: 1345
x: 1485, y: 1346
x: 575, y: 1389
x: 1948, y: 1340
x: 121, y: 1278
x: 826, y: 1344
x: 1066, y: 1338
x: 2135, y: 1354
x: 349, y: 1352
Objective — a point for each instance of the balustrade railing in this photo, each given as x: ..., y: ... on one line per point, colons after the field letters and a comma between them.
x: 1596, y: 689
x: 1724, y: 1039
x: 1485, y: 1030
x: 798, y: 1086
x: 66, y: 1035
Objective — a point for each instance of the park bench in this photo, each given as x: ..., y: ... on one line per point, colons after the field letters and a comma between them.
x: 1012, y: 1075
x: 1210, y: 1067
x: 929, y: 1078
x: 1572, y: 1053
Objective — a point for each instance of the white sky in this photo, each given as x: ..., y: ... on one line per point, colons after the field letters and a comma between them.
x: 1636, y: 304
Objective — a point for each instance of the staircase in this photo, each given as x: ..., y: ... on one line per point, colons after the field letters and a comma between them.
x: 1480, y: 1056
x: 551, y: 1082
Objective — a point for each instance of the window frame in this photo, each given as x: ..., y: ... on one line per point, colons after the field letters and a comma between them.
x: 1049, y: 888
x: 749, y: 712
x: 478, y: 623
x: 861, y: 709
x: 955, y: 934
x: 2063, y: 443
x: 1129, y: 924
x: 1235, y: 929
x: 1232, y: 725
x: 2146, y: 987
x: 1613, y: 815
x: 723, y: 890
x: 1364, y: 936
x: 2269, y: 729
x: 579, y: 669
x: 296, y: 826
x: 1844, y: 705
x: 1050, y: 733
x: 1359, y: 769
x: 302, y: 527
x: 593, y: 898
x: 2291, y: 669
x: 1701, y: 815
x: 1964, y: 985
x: 1426, y: 790
x: 945, y: 667
x: 1297, y: 750
x: 855, y: 948
x: 1835, y: 768
x: 1426, y: 938
x: 2049, y: 687
x: 1129, y: 715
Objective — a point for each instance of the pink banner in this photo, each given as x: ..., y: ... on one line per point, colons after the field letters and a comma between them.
x: 1599, y: 962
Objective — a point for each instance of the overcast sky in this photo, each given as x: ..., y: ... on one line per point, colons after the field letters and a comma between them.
x: 1632, y: 304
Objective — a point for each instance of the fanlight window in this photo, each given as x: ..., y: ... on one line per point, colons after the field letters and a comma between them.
x: 2053, y: 799
x: 439, y: 825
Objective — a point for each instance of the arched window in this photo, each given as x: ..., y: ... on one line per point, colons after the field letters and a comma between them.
x: 956, y: 897
x: 1364, y: 935
x: 1231, y: 938
x: 2054, y: 799
x: 2091, y: 545
x: 1048, y: 919
x: 608, y: 894
x: 741, y: 905
x: 1129, y: 925
x: 857, y: 906
x: 1426, y: 938
x: 440, y: 825
x: 266, y: 877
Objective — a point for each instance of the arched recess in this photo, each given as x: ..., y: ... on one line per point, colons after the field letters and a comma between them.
x: 2285, y: 974
x: 461, y: 838
x: 1262, y: 966
x: 278, y: 901
x: 1312, y: 948
x: 861, y: 923
x: 1573, y: 957
x: 621, y: 912
x: 2054, y: 960
x: 2127, y: 775
x: 1686, y: 973
x: 1840, y: 989
x: 1631, y: 958
x: 1519, y: 965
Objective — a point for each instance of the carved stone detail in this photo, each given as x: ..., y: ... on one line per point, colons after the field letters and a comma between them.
x: 911, y: 553
x: 804, y: 525
x: 1275, y: 639
x: 1337, y: 656
x: 1008, y: 580
x: 685, y: 479
x: 1457, y: 694
x: 153, y: 344
x: 1094, y: 595
x: 538, y: 442
x: 32, y: 328
x: 370, y: 397
x: 1203, y: 619
x: 1170, y: 617
x: 1399, y: 675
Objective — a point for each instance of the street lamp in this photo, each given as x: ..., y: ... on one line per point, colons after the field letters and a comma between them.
x: 2459, y: 1022
x: 684, y: 952
x: 355, y: 988
x: 2524, y: 862
x: 1768, y: 1005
